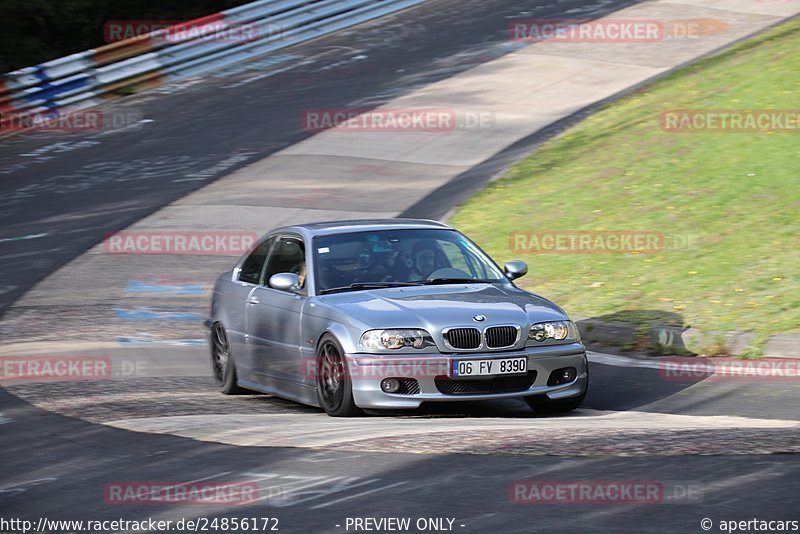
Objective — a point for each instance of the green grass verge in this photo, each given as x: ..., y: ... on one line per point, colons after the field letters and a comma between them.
x: 736, y: 194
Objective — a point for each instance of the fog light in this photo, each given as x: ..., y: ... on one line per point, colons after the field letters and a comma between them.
x: 562, y: 376
x: 390, y: 385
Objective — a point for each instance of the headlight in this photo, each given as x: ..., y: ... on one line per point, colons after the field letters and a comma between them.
x: 558, y: 330
x: 396, y: 339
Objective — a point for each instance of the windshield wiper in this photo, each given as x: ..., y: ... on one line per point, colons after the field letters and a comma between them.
x: 436, y: 281
x: 368, y: 285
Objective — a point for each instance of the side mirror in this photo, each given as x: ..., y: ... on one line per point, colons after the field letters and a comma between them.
x: 285, y: 282
x: 515, y: 269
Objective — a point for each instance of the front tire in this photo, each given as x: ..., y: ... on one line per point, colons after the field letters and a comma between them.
x: 222, y: 367
x: 543, y: 405
x: 334, y: 384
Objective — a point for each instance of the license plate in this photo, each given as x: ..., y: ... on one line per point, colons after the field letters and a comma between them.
x: 505, y: 366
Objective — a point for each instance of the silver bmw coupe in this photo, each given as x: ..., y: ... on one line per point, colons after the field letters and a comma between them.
x: 388, y: 314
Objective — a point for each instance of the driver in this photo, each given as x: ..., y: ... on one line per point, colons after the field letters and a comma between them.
x: 424, y: 255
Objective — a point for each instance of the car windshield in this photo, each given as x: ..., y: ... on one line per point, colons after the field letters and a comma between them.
x: 388, y: 258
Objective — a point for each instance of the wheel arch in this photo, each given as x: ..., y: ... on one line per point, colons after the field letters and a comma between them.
x: 343, y: 336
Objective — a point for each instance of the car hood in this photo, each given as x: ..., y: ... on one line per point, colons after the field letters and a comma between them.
x: 436, y: 307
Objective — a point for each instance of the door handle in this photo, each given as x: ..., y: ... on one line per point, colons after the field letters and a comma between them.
x: 253, y: 300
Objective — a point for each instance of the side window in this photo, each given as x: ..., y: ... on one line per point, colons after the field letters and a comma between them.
x: 253, y: 265
x: 288, y: 256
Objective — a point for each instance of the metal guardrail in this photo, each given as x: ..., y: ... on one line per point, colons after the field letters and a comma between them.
x: 87, y: 78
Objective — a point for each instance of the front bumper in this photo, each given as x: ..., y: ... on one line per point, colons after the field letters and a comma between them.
x: 368, y: 370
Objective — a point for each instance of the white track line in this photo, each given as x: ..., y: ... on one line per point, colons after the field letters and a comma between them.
x: 622, y: 361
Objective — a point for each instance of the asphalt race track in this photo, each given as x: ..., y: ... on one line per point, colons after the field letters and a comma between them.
x: 723, y: 450
x: 68, y: 187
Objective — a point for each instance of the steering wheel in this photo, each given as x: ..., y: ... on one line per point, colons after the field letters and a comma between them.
x: 449, y: 272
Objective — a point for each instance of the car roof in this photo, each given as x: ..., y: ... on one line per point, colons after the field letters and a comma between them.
x: 361, y: 225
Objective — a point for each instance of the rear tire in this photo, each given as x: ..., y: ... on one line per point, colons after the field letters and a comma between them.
x: 334, y: 384
x: 222, y: 367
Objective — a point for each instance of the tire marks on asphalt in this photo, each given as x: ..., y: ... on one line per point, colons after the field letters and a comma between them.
x: 174, y: 395
x: 106, y: 400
